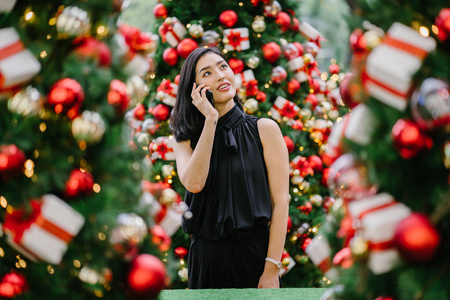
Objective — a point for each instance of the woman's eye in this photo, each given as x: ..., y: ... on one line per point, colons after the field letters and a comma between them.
x: 206, y: 74
x: 224, y: 66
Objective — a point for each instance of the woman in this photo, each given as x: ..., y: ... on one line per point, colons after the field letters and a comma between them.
x: 235, y: 170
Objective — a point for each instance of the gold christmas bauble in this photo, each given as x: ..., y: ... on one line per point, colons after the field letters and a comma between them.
x: 252, y: 62
x: 26, y: 102
x: 73, y: 22
x: 196, y: 31
x: 167, y: 170
x: 89, y: 127
x: 258, y: 24
x: 251, y: 105
x: 168, y: 196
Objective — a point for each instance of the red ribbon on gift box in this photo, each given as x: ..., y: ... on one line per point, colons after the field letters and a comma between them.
x: 235, y: 39
x: 288, y: 110
x: 166, y: 87
x: 11, y: 50
x: 18, y: 224
x: 166, y: 28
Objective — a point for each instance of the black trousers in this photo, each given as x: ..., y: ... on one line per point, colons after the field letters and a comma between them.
x: 228, y: 263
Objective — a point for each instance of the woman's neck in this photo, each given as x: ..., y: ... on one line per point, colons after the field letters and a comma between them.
x: 223, y: 108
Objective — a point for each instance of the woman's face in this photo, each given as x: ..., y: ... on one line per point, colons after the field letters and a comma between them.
x: 213, y: 71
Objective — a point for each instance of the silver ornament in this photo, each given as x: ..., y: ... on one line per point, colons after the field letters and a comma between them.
x: 251, y: 105
x: 210, y: 37
x: 252, y: 62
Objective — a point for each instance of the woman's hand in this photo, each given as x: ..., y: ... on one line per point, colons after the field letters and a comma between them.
x: 269, y: 279
x: 200, y: 100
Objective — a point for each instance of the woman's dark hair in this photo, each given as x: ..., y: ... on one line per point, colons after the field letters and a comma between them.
x: 186, y: 121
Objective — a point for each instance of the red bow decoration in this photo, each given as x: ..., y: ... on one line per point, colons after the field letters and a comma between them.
x: 18, y: 222
x: 288, y: 110
x: 166, y: 87
x: 135, y: 39
x: 252, y: 87
x: 235, y: 39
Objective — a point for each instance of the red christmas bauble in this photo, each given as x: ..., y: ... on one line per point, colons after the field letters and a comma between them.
x: 315, y: 163
x: 186, y: 46
x: 66, y: 96
x: 299, y: 47
x: 416, y: 238
x: 160, y: 236
x: 161, y: 112
x: 118, y: 96
x: 347, y: 93
x: 228, y: 18
x: 298, y: 125
x: 305, y: 208
x: 293, y: 86
x: 271, y: 52
x: 408, y: 139
x: 325, y: 173
x: 13, y: 284
x: 91, y: 48
x: 170, y: 56
x: 334, y: 69
x: 177, y: 79
x: 314, y: 84
x: 160, y: 11
x: 147, y: 276
x: 384, y: 298
x: 312, y: 99
x: 11, y: 161
x: 289, y: 143
x: 357, y: 41
x: 295, y: 26
x: 181, y: 252
x: 139, y: 112
x: 305, y: 244
x: 289, y: 224
x: 443, y: 24
x: 283, y: 20
x: 79, y: 183
x: 237, y: 65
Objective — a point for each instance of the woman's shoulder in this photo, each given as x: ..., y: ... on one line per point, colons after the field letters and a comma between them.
x: 268, y: 129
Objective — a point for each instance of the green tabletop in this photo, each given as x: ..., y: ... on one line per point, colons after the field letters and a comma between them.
x: 245, y: 294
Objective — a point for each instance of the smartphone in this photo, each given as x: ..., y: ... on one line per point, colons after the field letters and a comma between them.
x: 209, y: 95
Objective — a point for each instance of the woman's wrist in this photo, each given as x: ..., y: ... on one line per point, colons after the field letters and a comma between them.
x: 212, y: 118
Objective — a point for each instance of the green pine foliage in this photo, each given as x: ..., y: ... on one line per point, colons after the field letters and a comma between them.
x: 420, y: 182
x: 47, y: 141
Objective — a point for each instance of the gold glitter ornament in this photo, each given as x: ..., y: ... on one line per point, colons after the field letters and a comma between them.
x: 26, y: 102
x: 73, y: 22
x: 251, y: 105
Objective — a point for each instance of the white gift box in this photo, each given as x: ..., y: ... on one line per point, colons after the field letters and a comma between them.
x: 236, y: 39
x: 167, y: 92
x: 17, y: 64
x: 319, y: 252
x: 172, y: 31
x: 48, y: 236
x: 310, y: 32
x: 390, y: 66
x: 7, y: 5
x: 138, y: 65
x: 162, y: 148
x: 244, y: 77
x: 360, y: 126
x: 279, y: 105
x: 170, y: 221
x: 379, y: 216
x: 291, y: 264
x: 297, y: 65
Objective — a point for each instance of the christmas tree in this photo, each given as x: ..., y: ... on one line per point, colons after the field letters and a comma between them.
x: 73, y: 224
x: 388, y: 234
x: 272, y: 53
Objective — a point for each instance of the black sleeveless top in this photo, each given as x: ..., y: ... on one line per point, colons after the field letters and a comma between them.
x: 236, y: 195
